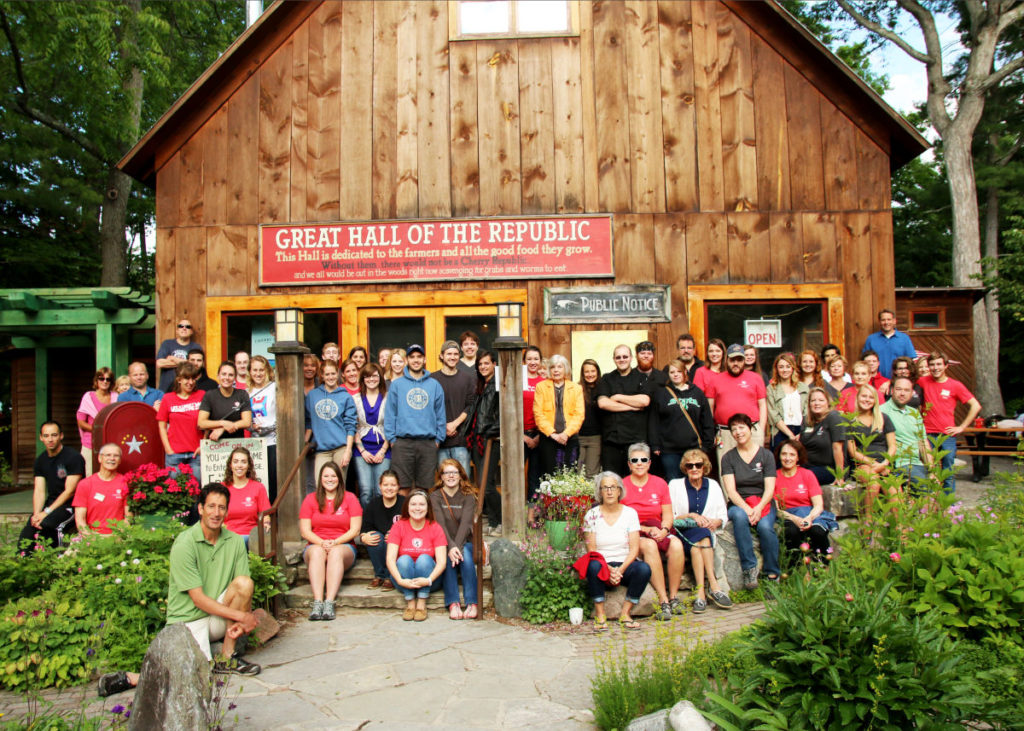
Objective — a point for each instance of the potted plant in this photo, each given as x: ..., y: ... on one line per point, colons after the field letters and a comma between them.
x: 565, y: 496
x: 157, y: 494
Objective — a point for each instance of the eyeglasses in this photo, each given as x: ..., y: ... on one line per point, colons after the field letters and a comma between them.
x: 639, y: 460
x: 104, y: 378
x: 609, y: 487
x: 184, y: 326
x: 694, y: 465
x: 450, y: 473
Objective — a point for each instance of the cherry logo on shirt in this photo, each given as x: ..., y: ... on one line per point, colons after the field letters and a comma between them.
x: 653, y: 499
x: 340, y: 509
x: 248, y: 501
x: 117, y: 494
x: 757, y: 466
x: 417, y: 543
x: 62, y: 473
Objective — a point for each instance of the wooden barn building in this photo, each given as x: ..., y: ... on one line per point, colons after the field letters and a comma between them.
x: 396, y: 168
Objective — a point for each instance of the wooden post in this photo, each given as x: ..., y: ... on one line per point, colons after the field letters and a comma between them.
x: 42, y: 375
x: 291, y: 429
x: 513, y: 474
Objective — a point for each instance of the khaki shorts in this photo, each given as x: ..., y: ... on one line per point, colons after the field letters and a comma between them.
x: 209, y: 628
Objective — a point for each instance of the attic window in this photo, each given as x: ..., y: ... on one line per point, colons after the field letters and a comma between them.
x: 513, y: 18
x: 926, y: 320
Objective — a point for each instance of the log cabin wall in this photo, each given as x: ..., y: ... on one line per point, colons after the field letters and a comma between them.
x: 725, y: 157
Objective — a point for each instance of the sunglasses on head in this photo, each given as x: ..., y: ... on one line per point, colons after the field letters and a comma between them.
x: 639, y: 460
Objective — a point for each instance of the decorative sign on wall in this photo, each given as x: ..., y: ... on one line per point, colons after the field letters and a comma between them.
x: 213, y: 458
x: 568, y: 305
x: 437, y: 250
x: 763, y: 333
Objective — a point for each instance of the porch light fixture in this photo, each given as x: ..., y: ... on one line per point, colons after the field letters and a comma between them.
x: 288, y: 326
x: 510, y: 325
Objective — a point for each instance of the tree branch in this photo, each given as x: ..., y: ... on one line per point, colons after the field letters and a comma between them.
x: 996, y: 77
x: 1009, y: 18
x: 22, y: 102
x: 884, y: 32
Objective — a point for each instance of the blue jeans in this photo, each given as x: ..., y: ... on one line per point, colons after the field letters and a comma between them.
x: 946, y: 443
x: 410, y: 569
x: 745, y: 542
x: 670, y: 463
x: 451, y: 578
x: 179, y: 458
x: 369, y: 478
x: 913, y: 475
x: 459, y: 454
x: 635, y: 579
x: 378, y: 556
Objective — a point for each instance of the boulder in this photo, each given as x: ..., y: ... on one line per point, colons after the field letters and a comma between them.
x: 684, y: 716
x: 174, y: 685
x: 657, y: 721
x: 508, y: 576
x: 613, y: 598
x: 842, y: 499
x: 726, y: 553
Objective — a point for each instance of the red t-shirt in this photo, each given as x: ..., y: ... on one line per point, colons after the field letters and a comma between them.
x: 529, y: 391
x: 245, y: 506
x: 103, y: 500
x: 940, y: 401
x: 703, y: 377
x: 416, y: 543
x: 736, y: 395
x: 848, y: 400
x: 182, y: 417
x: 648, y: 500
x: 796, y: 491
x: 333, y: 522
x: 878, y: 380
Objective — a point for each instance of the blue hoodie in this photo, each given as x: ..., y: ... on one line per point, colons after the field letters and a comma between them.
x: 331, y: 416
x: 415, y: 409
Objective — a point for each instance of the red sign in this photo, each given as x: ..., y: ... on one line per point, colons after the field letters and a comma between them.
x: 440, y: 250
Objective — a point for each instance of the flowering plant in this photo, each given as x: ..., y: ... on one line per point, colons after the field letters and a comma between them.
x: 566, y: 494
x: 154, y: 490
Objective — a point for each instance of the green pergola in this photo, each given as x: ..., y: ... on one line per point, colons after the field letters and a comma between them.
x: 85, y: 317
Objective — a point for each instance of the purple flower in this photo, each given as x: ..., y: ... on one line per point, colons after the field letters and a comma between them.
x: 232, y: 706
x: 127, y: 714
x: 119, y: 709
x: 90, y: 652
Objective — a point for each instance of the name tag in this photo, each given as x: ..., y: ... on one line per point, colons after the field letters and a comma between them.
x: 99, y: 497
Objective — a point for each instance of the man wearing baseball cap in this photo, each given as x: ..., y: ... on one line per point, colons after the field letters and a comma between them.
x: 459, y: 386
x: 414, y: 422
x: 737, y: 391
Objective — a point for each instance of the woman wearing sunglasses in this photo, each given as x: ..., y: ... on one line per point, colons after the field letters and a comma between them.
x: 93, y: 401
x: 648, y: 495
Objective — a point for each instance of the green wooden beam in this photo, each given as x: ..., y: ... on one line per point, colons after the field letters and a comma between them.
x: 80, y: 316
x: 43, y: 387
x: 59, y: 341
x: 121, y: 351
x: 105, y: 300
x: 27, y: 301
x: 105, y: 346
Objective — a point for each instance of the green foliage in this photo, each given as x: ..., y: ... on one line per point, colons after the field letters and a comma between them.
x: 97, y: 606
x: 675, y: 669
x: 997, y: 666
x: 833, y: 653
x: 552, y: 587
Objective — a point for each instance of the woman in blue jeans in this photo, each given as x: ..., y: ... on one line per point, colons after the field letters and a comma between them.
x: 454, y: 502
x: 416, y: 554
x: 373, y: 457
x: 748, y: 477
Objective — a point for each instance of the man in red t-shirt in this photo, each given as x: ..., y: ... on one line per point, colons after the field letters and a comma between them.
x: 941, y: 396
x: 101, y: 499
x: 736, y: 391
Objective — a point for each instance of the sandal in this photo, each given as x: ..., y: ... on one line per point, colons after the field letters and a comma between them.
x: 630, y: 624
x: 601, y: 625
x: 454, y: 611
x: 471, y: 612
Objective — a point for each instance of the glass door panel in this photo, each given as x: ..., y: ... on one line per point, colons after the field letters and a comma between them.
x: 481, y: 320
x: 803, y: 324
x: 393, y: 332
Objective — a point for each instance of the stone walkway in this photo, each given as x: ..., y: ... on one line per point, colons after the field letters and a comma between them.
x: 370, y: 670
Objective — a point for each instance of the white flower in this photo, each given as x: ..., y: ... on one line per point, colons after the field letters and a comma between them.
x: 117, y: 581
x: 124, y: 563
x: 136, y: 561
x: 99, y: 567
x: 129, y: 552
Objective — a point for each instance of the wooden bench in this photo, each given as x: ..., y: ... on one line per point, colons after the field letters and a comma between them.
x: 983, y: 443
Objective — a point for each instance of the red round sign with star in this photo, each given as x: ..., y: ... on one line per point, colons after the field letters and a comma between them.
x: 132, y: 426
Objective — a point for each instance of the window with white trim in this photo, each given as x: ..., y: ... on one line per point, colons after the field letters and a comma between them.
x: 513, y: 18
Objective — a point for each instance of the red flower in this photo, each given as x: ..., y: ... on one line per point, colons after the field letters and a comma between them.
x: 139, y: 495
x: 158, y: 489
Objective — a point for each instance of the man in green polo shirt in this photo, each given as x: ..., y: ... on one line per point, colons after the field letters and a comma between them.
x: 209, y: 591
x: 911, y: 443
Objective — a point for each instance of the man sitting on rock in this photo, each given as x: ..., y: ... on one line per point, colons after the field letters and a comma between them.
x: 206, y: 562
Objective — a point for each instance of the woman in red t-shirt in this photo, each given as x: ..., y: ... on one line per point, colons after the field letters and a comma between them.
x: 801, y: 506
x: 329, y: 519
x: 178, y: 419
x: 417, y: 550
x: 248, y: 497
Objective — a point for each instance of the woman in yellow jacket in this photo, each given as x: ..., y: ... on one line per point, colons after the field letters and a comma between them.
x: 558, y: 410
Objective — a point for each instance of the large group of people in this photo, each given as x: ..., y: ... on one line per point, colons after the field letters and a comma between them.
x: 404, y: 458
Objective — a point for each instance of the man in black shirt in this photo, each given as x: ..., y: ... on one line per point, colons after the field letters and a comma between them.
x: 459, y: 386
x: 623, y: 398
x: 645, y: 365
x: 688, y: 354
x: 56, y: 474
x: 204, y: 382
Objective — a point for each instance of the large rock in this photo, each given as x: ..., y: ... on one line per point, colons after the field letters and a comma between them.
x: 657, y: 721
x: 842, y: 499
x: 614, y: 596
x: 508, y: 575
x: 684, y: 716
x: 727, y: 559
x: 174, y: 685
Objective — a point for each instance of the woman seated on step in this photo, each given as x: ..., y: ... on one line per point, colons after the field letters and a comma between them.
x: 329, y: 519
x: 417, y: 551
x: 454, y: 501
x: 611, y: 531
x: 698, y: 505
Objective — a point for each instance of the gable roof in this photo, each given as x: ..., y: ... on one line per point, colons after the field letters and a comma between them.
x: 768, y: 19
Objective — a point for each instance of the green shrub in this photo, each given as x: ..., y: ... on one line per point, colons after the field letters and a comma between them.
x: 830, y: 654
x: 552, y: 587
x: 996, y: 664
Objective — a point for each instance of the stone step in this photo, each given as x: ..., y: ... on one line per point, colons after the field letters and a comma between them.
x: 360, y: 596
x: 362, y: 570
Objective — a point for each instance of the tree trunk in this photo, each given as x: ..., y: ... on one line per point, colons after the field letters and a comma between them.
x: 988, y: 391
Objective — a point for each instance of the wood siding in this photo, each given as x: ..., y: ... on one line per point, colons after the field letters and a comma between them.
x: 721, y: 160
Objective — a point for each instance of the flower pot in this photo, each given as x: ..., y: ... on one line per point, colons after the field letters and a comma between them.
x: 168, y: 521
x: 560, y: 534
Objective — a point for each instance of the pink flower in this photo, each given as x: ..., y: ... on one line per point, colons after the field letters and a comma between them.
x: 157, y: 489
x: 807, y: 560
x: 848, y: 597
x: 895, y: 557
x: 805, y: 547
x: 140, y: 495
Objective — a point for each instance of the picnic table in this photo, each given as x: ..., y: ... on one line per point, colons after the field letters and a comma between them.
x: 980, y: 443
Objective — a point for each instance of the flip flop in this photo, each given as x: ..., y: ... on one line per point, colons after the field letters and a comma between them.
x: 601, y: 625
x: 630, y: 624
x: 471, y: 612
x: 455, y: 611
